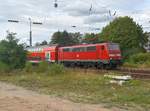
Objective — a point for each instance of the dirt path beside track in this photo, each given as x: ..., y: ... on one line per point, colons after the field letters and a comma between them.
x: 13, y: 98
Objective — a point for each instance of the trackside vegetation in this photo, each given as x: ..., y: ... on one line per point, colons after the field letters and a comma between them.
x: 44, y: 67
x: 12, y: 54
x: 140, y: 60
x: 80, y: 86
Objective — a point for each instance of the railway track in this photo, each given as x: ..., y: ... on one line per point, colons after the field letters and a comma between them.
x: 135, y: 73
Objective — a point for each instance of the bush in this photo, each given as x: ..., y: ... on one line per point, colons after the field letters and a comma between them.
x: 45, y: 67
x: 29, y: 67
x: 4, y: 67
x: 55, y: 69
x: 39, y: 68
x: 42, y: 67
x: 129, y: 52
x: 138, y: 60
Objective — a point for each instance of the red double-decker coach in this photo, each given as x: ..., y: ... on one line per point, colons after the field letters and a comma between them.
x: 89, y: 55
x: 42, y: 53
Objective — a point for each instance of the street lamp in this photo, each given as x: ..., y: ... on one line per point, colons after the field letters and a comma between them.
x: 30, y: 23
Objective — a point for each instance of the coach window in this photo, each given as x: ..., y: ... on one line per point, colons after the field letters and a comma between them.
x: 73, y: 49
x: 76, y: 50
x: 32, y: 50
x: 66, y: 50
x: 91, y: 48
x: 82, y: 49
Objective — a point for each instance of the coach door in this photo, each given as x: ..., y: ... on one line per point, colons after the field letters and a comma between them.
x: 48, y: 56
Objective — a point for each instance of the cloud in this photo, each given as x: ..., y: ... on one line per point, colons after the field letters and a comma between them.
x: 81, y: 8
x: 98, y: 19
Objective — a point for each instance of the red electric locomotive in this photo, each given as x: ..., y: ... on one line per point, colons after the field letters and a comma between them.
x: 102, y: 55
x: 107, y: 55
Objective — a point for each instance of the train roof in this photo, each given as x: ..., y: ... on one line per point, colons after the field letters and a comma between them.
x: 86, y: 45
x: 42, y: 46
x: 56, y: 45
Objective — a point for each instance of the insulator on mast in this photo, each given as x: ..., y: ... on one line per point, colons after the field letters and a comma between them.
x: 55, y: 4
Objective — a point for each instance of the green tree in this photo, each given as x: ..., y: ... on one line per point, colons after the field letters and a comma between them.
x: 127, y: 33
x: 64, y: 38
x: 42, y: 43
x: 90, y: 38
x: 76, y: 38
x: 12, y: 53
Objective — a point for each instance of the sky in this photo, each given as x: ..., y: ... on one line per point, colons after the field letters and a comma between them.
x: 89, y: 16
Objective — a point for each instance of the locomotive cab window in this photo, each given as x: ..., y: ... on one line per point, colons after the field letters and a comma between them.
x: 76, y: 50
x: 91, y: 48
x: 114, y: 47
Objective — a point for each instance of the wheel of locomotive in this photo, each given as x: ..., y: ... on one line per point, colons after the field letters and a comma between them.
x: 66, y: 64
x: 106, y: 66
x: 99, y: 66
x: 85, y: 65
x: 110, y: 66
x: 92, y: 65
x: 114, y: 66
x: 72, y: 65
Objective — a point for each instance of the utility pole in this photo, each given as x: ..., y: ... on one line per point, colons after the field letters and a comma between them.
x: 30, y: 31
x: 30, y: 27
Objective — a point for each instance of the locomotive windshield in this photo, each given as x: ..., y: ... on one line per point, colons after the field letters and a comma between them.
x: 114, y: 47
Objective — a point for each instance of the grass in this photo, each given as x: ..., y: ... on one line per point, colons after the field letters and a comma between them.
x: 133, y: 65
x: 86, y: 88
